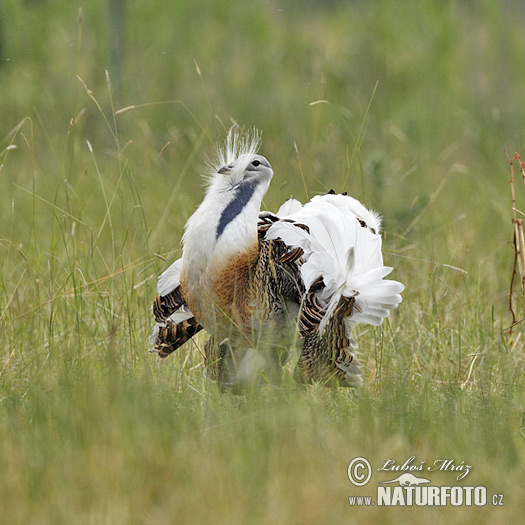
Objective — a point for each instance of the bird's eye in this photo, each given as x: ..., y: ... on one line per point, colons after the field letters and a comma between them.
x: 256, y: 163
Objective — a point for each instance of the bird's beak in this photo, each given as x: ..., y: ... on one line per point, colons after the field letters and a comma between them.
x: 224, y: 170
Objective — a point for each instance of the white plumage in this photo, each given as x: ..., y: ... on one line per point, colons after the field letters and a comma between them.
x: 343, y: 246
x: 169, y: 279
x: 255, y: 281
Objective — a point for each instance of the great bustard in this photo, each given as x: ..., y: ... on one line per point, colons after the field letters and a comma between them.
x: 259, y: 282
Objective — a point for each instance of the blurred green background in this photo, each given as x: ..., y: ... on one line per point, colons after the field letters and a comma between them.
x: 108, y: 112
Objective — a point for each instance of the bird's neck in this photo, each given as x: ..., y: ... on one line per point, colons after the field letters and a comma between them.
x: 213, y: 239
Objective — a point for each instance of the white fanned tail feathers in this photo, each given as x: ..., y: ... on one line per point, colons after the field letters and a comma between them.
x: 341, y: 243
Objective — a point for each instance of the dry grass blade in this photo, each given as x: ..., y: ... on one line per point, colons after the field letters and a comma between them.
x: 518, y: 239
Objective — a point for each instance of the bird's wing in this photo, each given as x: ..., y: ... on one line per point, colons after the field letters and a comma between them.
x: 175, y: 323
x: 173, y: 333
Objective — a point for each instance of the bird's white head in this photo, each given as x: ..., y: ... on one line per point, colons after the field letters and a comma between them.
x: 238, y: 164
x: 238, y: 185
x: 226, y: 220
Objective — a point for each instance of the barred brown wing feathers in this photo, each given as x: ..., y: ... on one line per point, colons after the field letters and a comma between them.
x: 311, y: 315
x: 266, y: 219
x: 172, y: 335
x: 281, y: 270
x: 293, y: 255
x: 166, y: 305
x: 326, y: 357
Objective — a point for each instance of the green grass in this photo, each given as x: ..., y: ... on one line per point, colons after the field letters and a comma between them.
x: 408, y: 107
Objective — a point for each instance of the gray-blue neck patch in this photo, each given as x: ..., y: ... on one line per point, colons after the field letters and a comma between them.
x: 243, y: 195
